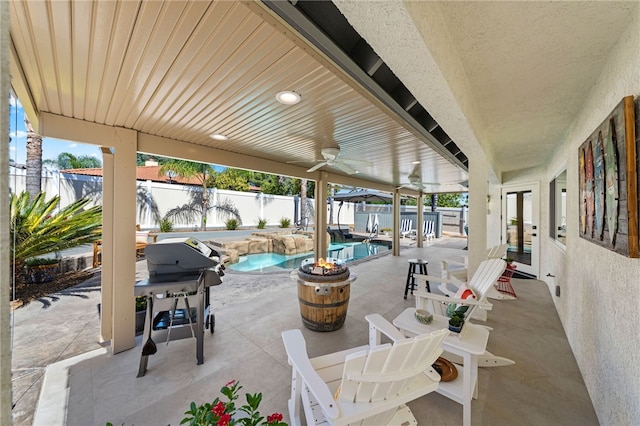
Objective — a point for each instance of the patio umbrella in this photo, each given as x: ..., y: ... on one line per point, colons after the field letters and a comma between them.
x: 359, y: 196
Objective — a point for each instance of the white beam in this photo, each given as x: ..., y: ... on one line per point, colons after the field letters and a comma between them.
x: 108, y: 224
x: 419, y: 225
x: 5, y: 270
x: 321, y: 241
x: 124, y: 240
x: 396, y: 222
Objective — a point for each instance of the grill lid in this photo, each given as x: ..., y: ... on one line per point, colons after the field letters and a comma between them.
x: 180, y: 255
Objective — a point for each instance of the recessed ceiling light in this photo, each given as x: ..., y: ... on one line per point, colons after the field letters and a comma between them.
x: 415, y: 162
x: 219, y: 137
x: 288, y: 97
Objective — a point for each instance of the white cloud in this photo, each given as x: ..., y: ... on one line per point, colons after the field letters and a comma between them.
x: 95, y: 156
x: 73, y: 145
x: 13, y: 101
x: 18, y: 134
x: 12, y: 148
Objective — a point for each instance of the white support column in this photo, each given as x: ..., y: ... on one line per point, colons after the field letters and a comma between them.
x: 478, y: 190
x: 419, y: 225
x: 321, y: 240
x: 396, y: 223
x: 124, y: 241
x: 106, y: 275
x: 118, y: 240
x: 5, y: 269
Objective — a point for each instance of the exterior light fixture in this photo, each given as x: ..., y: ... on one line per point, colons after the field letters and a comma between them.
x: 219, y: 137
x: 288, y: 97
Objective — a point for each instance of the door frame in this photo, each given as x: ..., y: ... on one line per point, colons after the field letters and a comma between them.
x: 534, y: 188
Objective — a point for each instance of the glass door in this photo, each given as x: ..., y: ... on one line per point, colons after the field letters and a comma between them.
x: 520, y: 213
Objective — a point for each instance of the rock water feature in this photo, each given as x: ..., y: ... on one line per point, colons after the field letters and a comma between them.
x: 323, y: 294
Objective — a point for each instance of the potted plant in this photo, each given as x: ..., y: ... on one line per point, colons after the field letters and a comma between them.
x: 456, y: 317
x: 141, y: 312
x: 39, y: 270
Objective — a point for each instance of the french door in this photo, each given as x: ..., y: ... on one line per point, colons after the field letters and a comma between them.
x: 520, y: 225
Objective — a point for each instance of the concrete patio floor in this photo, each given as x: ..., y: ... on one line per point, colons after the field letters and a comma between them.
x: 543, y: 387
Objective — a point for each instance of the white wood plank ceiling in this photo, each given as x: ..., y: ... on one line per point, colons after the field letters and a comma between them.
x: 187, y: 69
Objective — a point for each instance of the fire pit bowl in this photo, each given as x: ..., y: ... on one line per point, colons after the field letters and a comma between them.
x: 323, y: 293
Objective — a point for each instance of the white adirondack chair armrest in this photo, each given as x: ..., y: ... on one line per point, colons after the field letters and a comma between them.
x: 445, y: 263
x: 378, y: 323
x: 448, y: 300
x: 296, y: 348
x: 432, y: 278
x: 443, y: 280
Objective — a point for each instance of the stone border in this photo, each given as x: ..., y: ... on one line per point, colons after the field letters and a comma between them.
x: 54, y: 395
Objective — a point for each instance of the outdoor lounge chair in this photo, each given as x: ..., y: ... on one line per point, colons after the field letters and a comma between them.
x: 367, y: 385
x: 480, y: 283
x: 405, y: 227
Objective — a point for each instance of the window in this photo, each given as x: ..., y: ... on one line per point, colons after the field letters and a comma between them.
x: 558, y: 208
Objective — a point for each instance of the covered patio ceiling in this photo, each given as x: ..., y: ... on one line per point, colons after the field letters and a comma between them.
x: 501, y: 80
x: 184, y: 71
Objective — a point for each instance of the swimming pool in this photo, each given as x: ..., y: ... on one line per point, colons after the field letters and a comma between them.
x: 272, y: 262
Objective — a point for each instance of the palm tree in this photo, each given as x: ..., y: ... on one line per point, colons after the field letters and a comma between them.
x: 34, y: 159
x: 38, y: 230
x: 200, y: 199
x: 66, y: 161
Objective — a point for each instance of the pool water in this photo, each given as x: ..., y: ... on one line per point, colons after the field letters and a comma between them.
x: 271, y: 262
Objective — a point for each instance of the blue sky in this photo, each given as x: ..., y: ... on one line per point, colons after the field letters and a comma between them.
x: 50, y: 147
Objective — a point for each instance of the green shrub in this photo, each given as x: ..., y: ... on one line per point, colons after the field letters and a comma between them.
x: 285, y: 222
x: 166, y: 225
x: 141, y: 303
x: 38, y: 261
x: 262, y: 223
x: 231, y: 224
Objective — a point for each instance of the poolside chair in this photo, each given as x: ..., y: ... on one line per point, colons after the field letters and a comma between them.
x: 452, y: 270
x: 405, y: 227
x: 480, y: 284
x: 482, y: 280
x: 428, y: 230
x: 366, y: 385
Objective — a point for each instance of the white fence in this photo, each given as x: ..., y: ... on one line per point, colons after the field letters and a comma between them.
x: 154, y: 199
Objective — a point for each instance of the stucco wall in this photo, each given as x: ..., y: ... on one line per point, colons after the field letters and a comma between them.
x: 599, y: 304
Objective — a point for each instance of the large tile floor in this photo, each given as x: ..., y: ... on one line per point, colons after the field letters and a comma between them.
x: 544, y: 387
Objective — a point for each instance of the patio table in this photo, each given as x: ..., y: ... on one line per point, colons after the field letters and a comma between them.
x: 469, y: 344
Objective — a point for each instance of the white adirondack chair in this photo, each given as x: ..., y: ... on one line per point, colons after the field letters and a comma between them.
x: 452, y: 270
x: 368, y: 385
x: 481, y: 282
x: 405, y: 227
x: 429, y: 231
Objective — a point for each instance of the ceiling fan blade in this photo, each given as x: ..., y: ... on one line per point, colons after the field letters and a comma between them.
x: 342, y: 166
x: 317, y: 166
x: 354, y: 162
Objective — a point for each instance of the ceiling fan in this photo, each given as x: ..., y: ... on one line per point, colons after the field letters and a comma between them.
x: 414, y: 182
x: 331, y: 157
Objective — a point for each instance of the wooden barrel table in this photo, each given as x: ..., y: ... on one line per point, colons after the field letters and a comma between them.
x: 323, y: 305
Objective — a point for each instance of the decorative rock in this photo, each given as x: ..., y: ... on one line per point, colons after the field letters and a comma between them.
x: 258, y: 245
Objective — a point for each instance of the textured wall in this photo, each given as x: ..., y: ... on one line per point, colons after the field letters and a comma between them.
x: 599, y: 304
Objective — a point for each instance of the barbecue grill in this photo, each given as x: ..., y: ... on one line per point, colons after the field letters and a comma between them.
x: 181, y: 270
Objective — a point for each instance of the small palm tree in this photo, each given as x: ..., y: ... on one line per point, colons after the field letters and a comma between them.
x: 37, y: 229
